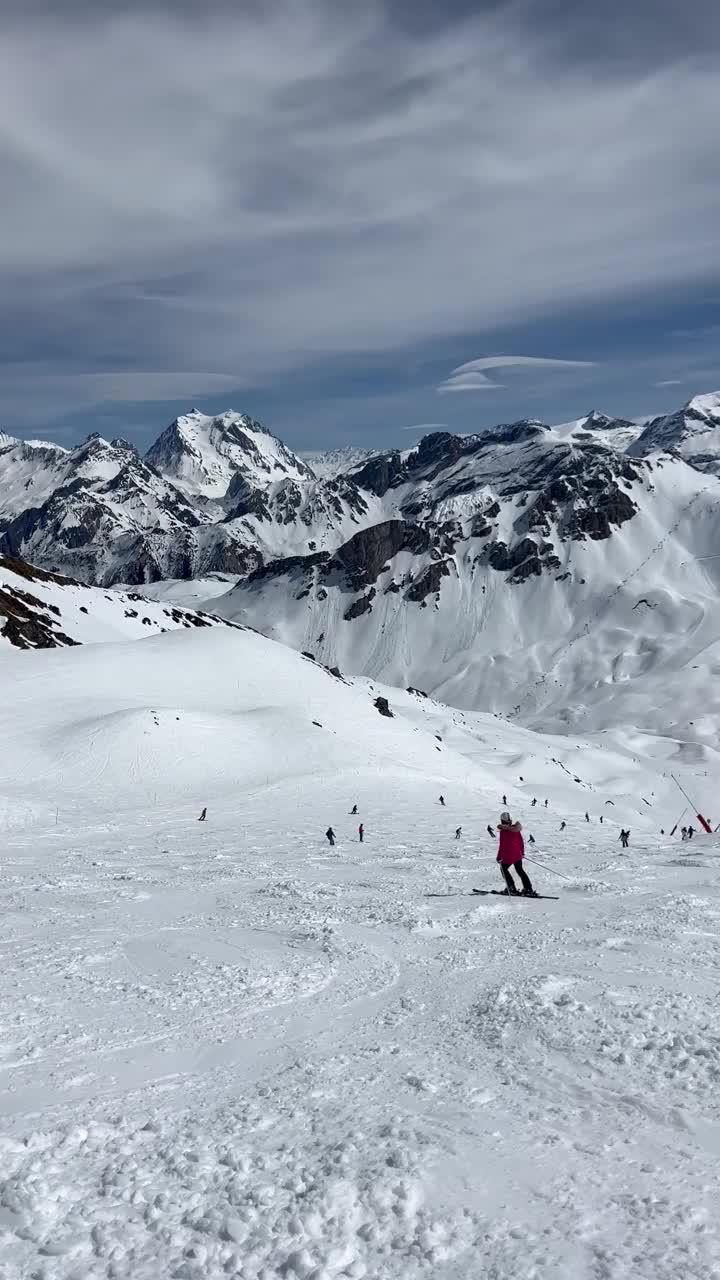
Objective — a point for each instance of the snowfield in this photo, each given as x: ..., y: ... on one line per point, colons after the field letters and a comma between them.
x: 229, y: 1050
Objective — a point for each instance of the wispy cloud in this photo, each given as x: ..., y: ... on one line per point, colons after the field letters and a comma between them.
x: 27, y: 388
x: 670, y: 382
x: 471, y: 376
x: 292, y: 181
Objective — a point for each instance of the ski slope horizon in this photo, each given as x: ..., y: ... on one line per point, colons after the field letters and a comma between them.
x: 229, y: 1049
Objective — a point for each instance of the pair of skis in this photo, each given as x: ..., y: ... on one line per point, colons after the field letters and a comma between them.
x: 503, y: 893
x: 494, y: 893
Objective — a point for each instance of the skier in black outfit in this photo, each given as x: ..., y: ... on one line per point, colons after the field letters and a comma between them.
x: 563, y: 825
x: 330, y: 836
x: 546, y: 804
x: 458, y: 832
x: 625, y: 838
x: 531, y: 838
x: 490, y: 831
x: 203, y: 816
x: 354, y: 809
x: 442, y: 801
x: 504, y: 799
x: 587, y: 817
x: 691, y: 832
x: 534, y: 803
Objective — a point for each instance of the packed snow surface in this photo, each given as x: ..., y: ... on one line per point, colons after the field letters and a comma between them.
x: 229, y: 1049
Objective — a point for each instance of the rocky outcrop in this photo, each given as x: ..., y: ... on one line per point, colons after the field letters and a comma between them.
x: 361, y: 606
x: 525, y: 559
x: 379, y: 474
x: 363, y: 558
x: 428, y: 582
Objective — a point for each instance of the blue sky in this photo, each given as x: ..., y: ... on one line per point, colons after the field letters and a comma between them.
x: 318, y: 217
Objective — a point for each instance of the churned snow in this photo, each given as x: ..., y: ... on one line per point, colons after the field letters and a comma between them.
x: 230, y: 1050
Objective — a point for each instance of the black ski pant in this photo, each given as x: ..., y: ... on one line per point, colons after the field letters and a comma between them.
x: 507, y: 877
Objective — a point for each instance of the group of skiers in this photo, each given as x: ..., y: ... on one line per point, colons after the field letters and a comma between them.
x: 511, y: 848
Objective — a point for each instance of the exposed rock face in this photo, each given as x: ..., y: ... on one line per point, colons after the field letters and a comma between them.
x: 428, y: 582
x: 379, y: 474
x: 365, y: 555
x: 358, y: 607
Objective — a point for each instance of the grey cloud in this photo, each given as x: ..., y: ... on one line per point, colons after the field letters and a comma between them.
x: 270, y: 184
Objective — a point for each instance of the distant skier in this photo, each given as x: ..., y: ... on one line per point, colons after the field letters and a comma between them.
x: 354, y: 809
x: 203, y: 815
x: 534, y: 802
x: 330, y: 836
x: 563, y: 824
x: 511, y: 852
x: 587, y: 817
x: 684, y: 833
x: 625, y: 838
x: 691, y: 832
x: 601, y: 818
x: 546, y: 804
x: 442, y: 801
x: 458, y: 832
x: 531, y: 838
x: 490, y: 831
x: 361, y: 832
x: 504, y: 799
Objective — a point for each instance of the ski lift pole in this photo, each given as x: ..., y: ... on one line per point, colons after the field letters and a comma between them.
x: 703, y: 822
x: 677, y: 824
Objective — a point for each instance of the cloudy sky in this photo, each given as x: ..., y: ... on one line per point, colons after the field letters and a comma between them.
x: 351, y: 220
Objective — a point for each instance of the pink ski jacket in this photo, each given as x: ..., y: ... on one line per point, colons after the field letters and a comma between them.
x: 512, y: 845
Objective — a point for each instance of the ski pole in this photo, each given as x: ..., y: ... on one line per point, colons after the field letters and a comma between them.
x: 550, y: 869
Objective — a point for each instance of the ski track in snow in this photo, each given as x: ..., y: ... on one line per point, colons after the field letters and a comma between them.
x: 228, y: 1050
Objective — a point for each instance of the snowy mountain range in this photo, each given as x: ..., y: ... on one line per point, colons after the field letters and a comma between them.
x: 211, y: 495
x: 528, y: 569
x: 532, y: 570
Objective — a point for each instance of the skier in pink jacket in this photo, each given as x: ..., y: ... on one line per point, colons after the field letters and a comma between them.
x: 511, y: 852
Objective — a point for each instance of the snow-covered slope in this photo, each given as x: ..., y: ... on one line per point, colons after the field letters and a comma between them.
x: 527, y: 574
x: 42, y: 610
x: 230, y: 1050
x: 29, y: 472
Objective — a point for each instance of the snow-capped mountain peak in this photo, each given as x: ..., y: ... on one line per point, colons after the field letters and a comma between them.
x: 692, y: 433
x: 202, y: 454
